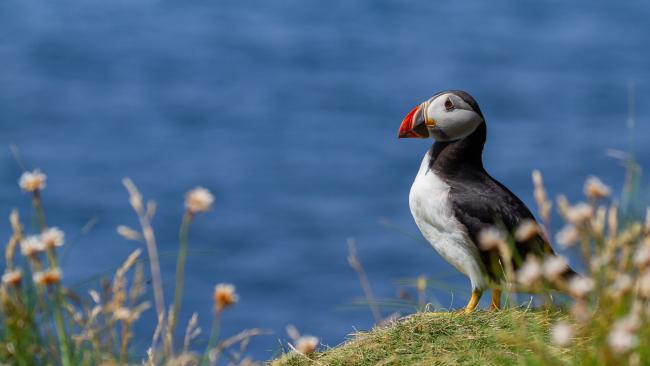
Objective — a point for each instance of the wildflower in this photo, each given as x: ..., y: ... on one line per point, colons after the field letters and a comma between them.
x: 622, y: 284
x: 580, y: 311
x: 561, y: 334
x: 530, y: 272
x: 307, y: 344
x: 541, y: 198
x: 554, y: 267
x: 598, y: 262
x: 32, y: 181
x: 642, y: 256
x: 49, y: 277
x: 52, y: 237
x: 198, y: 200
x: 12, y: 277
x: 595, y: 189
x: 122, y: 313
x: 622, y: 339
x: 579, y: 213
x: 491, y: 238
x: 224, y: 296
x: 31, y: 246
x: 568, y: 236
x: 579, y: 287
x: 95, y: 296
x: 644, y: 284
x: 526, y: 231
x: 421, y: 283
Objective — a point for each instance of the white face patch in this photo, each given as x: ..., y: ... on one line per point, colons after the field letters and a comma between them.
x: 454, y: 118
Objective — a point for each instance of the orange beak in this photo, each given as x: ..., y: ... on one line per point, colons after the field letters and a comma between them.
x: 415, y: 124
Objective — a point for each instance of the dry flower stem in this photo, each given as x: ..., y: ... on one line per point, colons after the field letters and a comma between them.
x: 135, y: 198
x: 180, y: 267
x: 354, y: 262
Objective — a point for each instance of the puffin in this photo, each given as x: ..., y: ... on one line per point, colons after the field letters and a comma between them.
x: 453, y: 198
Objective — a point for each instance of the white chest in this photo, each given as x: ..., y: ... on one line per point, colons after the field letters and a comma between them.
x: 433, y: 214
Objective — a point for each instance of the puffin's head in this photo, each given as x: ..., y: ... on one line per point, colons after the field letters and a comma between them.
x: 447, y: 116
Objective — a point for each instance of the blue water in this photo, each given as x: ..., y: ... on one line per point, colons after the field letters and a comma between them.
x: 288, y: 111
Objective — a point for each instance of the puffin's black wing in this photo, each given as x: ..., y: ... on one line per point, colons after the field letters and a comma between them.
x: 480, y: 203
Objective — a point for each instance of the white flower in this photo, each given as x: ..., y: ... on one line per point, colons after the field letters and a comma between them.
x: 122, y: 313
x: 224, y: 296
x: 642, y: 256
x: 561, y: 334
x: 567, y: 237
x: 595, y: 189
x: 13, y: 277
x: 52, y: 237
x: 580, y: 286
x: 198, y: 200
x: 32, y: 181
x: 48, y: 277
x: 31, y: 245
x: 622, y: 339
x: 644, y: 284
x: 307, y: 344
x: 526, y: 231
x: 491, y: 238
x: 580, y: 213
x: 622, y: 284
x: 554, y: 267
x: 530, y: 272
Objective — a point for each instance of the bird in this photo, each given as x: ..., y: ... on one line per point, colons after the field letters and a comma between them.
x: 453, y: 199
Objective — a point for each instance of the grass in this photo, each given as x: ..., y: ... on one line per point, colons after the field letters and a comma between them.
x: 446, y: 338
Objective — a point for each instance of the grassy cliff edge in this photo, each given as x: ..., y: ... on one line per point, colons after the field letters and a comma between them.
x: 446, y: 338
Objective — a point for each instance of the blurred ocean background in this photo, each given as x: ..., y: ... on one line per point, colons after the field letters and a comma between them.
x: 288, y: 112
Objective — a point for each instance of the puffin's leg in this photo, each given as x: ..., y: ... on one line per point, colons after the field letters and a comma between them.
x: 496, y: 299
x: 473, y: 301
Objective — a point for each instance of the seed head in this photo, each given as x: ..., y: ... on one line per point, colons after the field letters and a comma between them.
x: 642, y: 256
x: 52, y: 238
x: 622, y: 284
x: 530, y: 272
x: 561, y: 334
x: 128, y: 233
x: 526, y: 231
x: 32, y: 181
x: 568, y: 236
x: 122, y: 313
x: 198, y: 200
x: 421, y: 283
x: 31, y: 245
x: 644, y: 284
x: 224, y: 296
x: 622, y: 338
x: 595, y: 189
x: 49, y: 277
x: 307, y: 344
x: 580, y: 287
x: 12, y: 278
x: 579, y: 213
x: 580, y: 310
x: 554, y: 267
x: 491, y: 238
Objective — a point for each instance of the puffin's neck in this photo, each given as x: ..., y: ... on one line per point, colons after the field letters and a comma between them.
x: 455, y: 157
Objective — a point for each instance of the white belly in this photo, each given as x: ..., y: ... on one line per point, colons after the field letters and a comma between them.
x: 433, y: 213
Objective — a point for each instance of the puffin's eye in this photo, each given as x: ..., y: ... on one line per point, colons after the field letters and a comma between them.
x: 449, y: 106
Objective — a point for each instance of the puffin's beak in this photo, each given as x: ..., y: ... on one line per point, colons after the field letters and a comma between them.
x: 415, y: 123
